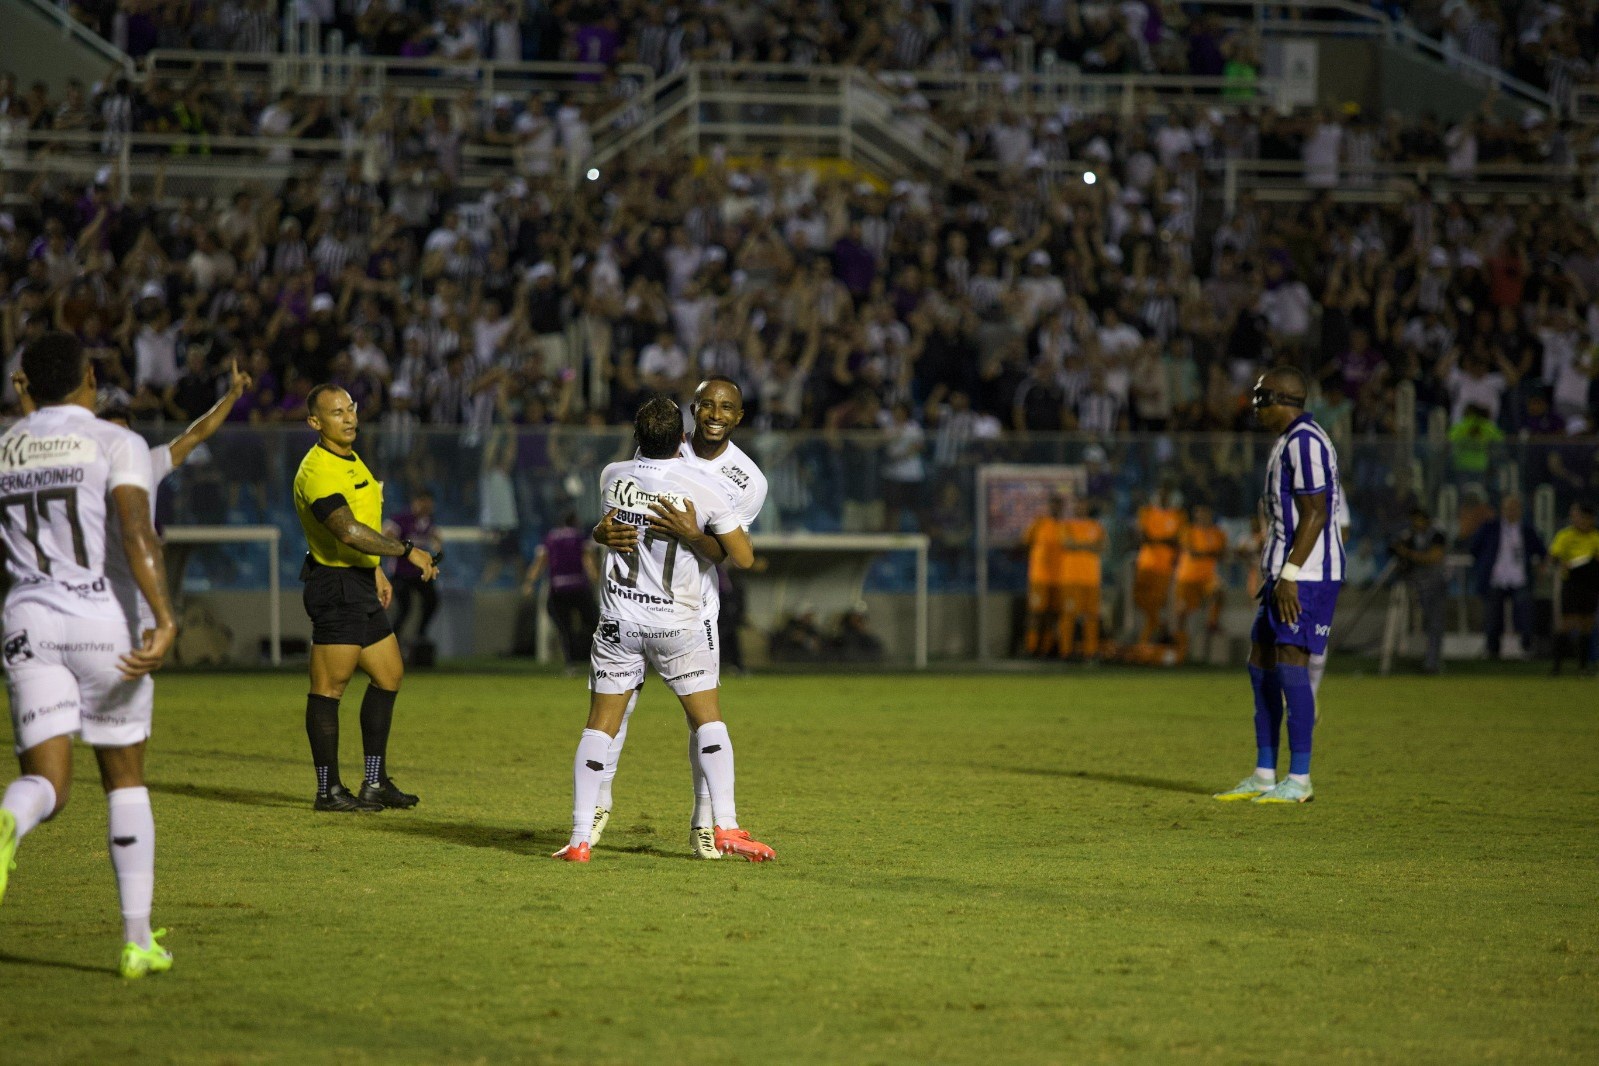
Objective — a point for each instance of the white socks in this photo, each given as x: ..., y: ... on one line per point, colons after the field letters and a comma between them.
x: 131, y: 839
x: 1317, y: 667
x: 30, y: 800
x: 716, y: 762
x: 613, y: 755
x: 1266, y: 775
x: 702, y: 818
x: 588, y: 767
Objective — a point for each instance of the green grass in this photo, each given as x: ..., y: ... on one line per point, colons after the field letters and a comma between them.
x: 971, y: 869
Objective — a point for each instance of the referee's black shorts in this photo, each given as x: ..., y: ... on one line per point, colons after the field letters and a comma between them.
x: 342, y: 602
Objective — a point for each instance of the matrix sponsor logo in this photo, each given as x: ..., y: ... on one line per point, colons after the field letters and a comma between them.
x: 17, y: 648
x: 630, y: 496
x: 23, y: 451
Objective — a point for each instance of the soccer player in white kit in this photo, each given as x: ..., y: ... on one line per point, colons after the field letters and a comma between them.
x: 718, y: 408
x: 651, y: 614
x: 74, y: 665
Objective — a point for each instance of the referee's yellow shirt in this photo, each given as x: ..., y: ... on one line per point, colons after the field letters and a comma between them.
x: 327, y: 481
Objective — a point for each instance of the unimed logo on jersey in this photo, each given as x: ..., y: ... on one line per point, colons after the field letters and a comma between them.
x: 23, y: 451
x: 18, y: 650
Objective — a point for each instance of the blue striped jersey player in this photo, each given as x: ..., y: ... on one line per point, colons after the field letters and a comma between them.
x: 1302, y: 564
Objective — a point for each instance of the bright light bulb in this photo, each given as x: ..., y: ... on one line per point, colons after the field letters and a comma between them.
x: 594, y: 173
x: 1089, y: 177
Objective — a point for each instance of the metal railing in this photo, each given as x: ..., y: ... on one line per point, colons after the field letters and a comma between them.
x: 335, y: 75
x: 1063, y: 85
x: 1387, y: 182
x: 779, y: 109
x: 209, y: 166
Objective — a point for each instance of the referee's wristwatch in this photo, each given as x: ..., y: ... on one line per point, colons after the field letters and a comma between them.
x: 405, y: 549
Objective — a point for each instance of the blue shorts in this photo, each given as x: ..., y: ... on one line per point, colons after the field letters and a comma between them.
x: 1316, y: 602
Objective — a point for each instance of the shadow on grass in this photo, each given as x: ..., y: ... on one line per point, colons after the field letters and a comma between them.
x: 466, y: 834
x: 223, y: 794
x: 8, y: 959
x: 1132, y: 780
x: 232, y: 756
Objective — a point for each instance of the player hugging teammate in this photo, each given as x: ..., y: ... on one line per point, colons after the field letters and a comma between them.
x: 679, y: 522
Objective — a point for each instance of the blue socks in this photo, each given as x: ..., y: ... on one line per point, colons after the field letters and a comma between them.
x: 1268, y: 715
x: 1294, y: 682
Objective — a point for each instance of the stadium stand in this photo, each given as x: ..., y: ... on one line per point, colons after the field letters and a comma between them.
x: 500, y: 259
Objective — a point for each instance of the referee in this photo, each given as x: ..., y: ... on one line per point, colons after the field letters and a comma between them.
x: 340, y: 504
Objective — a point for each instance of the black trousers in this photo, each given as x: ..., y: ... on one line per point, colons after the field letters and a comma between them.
x: 575, y: 615
x: 406, y: 590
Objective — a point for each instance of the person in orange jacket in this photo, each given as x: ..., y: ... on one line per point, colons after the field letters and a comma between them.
x: 1202, y: 544
x: 1160, y: 526
x: 1045, y: 541
x: 1080, y: 579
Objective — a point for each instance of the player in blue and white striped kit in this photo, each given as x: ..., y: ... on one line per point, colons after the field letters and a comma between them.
x: 1303, y: 567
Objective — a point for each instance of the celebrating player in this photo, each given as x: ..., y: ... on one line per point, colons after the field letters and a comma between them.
x: 718, y: 408
x: 340, y: 504
x: 73, y: 662
x: 1303, y: 568
x: 651, y: 611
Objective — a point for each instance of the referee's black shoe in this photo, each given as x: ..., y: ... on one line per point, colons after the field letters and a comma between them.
x: 340, y: 798
x: 386, y: 794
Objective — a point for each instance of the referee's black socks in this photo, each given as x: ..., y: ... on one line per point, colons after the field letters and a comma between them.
x: 322, y: 728
x: 377, y: 715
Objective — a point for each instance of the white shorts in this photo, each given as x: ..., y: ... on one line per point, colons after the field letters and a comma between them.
x: 685, y: 656
x: 63, y: 677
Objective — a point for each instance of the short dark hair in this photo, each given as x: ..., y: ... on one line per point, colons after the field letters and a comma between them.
x: 317, y: 392
x: 1583, y: 507
x: 658, y: 427
x: 55, y: 365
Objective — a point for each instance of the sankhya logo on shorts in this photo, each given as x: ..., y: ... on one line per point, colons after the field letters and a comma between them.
x: 18, y: 650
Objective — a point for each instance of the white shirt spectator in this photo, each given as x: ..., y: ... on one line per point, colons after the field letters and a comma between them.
x: 1286, y: 309
x: 1320, y: 154
x: 1118, y: 339
x: 1510, y: 565
x: 1171, y: 141
x: 1465, y: 391
x: 155, y: 357
x: 668, y: 361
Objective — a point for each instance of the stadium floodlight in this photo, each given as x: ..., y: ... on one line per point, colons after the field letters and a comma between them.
x: 1089, y: 177
x: 594, y: 173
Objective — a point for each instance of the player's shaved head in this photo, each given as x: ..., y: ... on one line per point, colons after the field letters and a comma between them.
x: 55, y: 365
x: 720, y: 379
x: 1288, y: 380
x: 658, y: 427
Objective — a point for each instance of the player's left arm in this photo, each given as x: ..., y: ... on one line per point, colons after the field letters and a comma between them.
x: 204, y: 427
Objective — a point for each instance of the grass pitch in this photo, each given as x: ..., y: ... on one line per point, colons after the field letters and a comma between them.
x: 971, y: 868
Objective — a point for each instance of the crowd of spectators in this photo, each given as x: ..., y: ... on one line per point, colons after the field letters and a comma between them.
x: 928, y: 322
